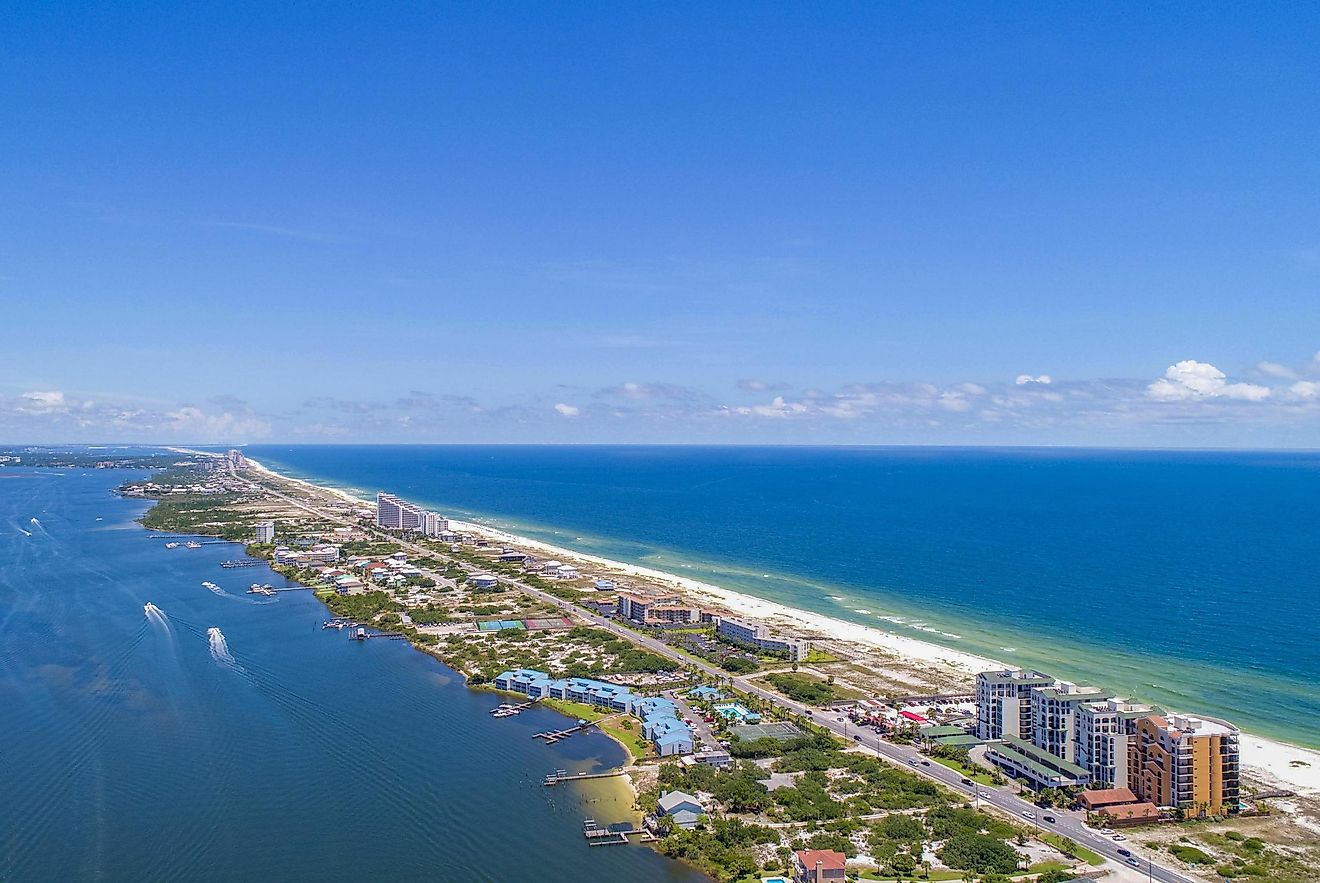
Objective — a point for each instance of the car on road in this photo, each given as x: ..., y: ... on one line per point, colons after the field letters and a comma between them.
x: 1134, y: 862
x: 966, y: 781
x: 857, y: 738
x: 1028, y: 814
x: 1126, y: 853
x: 925, y: 763
x: 1049, y: 819
x: 984, y: 795
x: 912, y: 762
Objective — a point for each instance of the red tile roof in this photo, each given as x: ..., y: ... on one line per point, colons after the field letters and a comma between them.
x: 829, y: 859
x: 1107, y: 797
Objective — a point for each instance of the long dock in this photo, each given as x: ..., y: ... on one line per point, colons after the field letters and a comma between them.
x: 559, y: 776
x: 246, y: 562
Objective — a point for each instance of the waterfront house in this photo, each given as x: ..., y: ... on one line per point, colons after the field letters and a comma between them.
x: 566, y: 571
x: 685, y: 809
x: 818, y: 866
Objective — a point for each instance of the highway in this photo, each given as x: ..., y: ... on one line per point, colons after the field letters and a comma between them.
x: 1001, y: 798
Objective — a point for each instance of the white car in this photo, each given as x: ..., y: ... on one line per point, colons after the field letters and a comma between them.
x: 984, y: 795
x: 1028, y: 814
x: 1119, y: 837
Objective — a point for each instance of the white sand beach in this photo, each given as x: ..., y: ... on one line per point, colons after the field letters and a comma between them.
x: 1268, y: 761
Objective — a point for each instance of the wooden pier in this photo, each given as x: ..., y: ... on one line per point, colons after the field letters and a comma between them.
x: 613, y: 834
x: 554, y: 736
x: 248, y: 562
x: 559, y: 776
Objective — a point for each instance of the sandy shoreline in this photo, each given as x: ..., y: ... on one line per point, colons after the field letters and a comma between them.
x: 1276, y: 763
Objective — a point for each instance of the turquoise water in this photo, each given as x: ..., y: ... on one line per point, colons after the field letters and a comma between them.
x: 1184, y: 578
x: 136, y: 747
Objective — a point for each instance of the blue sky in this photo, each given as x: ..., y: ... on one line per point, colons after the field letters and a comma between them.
x: 833, y: 223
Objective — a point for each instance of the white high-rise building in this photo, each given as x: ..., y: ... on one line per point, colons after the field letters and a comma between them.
x: 265, y: 531
x: 1003, y: 703
x: 1054, y: 716
x: 1104, y: 735
x: 434, y: 524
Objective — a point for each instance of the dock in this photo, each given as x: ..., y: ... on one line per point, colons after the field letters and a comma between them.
x: 554, y: 736
x: 560, y: 776
x: 612, y: 834
x: 247, y: 562
x: 362, y: 634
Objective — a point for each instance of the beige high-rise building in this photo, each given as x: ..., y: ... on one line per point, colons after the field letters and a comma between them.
x: 1189, y: 763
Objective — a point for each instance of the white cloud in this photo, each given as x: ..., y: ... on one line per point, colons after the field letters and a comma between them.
x: 778, y: 407
x: 1274, y: 369
x: 568, y: 410
x: 44, y: 402
x: 195, y: 423
x: 1025, y: 379
x: 1305, y: 389
x: 1193, y: 380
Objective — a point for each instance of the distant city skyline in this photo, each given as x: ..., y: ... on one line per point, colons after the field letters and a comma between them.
x: 743, y: 224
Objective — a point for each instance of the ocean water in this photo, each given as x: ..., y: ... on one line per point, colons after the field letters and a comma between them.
x: 1183, y: 578
x: 228, y: 737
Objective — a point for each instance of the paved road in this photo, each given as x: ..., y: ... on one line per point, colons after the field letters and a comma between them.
x: 999, y: 797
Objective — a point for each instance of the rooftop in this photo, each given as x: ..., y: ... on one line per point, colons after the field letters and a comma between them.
x: 827, y: 859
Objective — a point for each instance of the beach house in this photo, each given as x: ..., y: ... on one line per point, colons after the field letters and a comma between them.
x: 818, y: 866
x: 685, y: 809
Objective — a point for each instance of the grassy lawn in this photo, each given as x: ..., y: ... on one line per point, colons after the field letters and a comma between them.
x: 934, y: 875
x: 623, y: 729
x: 976, y: 774
x: 1060, y: 843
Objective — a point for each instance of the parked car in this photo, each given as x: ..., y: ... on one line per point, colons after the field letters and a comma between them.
x: 1119, y: 837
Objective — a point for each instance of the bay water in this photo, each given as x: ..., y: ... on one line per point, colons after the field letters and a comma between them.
x: 222, y: 736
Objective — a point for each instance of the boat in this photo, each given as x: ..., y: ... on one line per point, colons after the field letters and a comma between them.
x: 192, y: 544
x: 261, y: 589
x: 210, y: 585
x: 171, y: 545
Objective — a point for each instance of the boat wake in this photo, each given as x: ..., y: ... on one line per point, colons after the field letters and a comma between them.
x: 220, y: 647
x: 156, y: 616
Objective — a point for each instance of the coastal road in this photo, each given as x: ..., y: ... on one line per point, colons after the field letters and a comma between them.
x: 998, y: 797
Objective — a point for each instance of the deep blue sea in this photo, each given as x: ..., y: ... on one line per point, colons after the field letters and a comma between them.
x: 136, y: 747
x: 1184, y: 578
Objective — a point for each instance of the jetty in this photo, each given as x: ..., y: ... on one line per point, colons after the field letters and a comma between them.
x: 244, y: 562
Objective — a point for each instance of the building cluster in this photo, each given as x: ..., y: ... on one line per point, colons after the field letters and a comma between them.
x: 325, y: 553
x: 1056, y: 734
x: 661, y: 724
x: 393, y: 513
x: 759, y: 636
x: 668, y: 609
x: 235, y: 459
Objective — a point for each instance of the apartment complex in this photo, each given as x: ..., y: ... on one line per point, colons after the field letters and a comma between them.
x: 1056, y: 734
x: 759, y: 636
x: 1003, y: 703
x: 393, y: 513
x: 659, y: 716
x: 265, y: 532
x: 1054, y: 716
x: 659, y: 610
x: 1190, y: 763
x: 1104, y: 736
